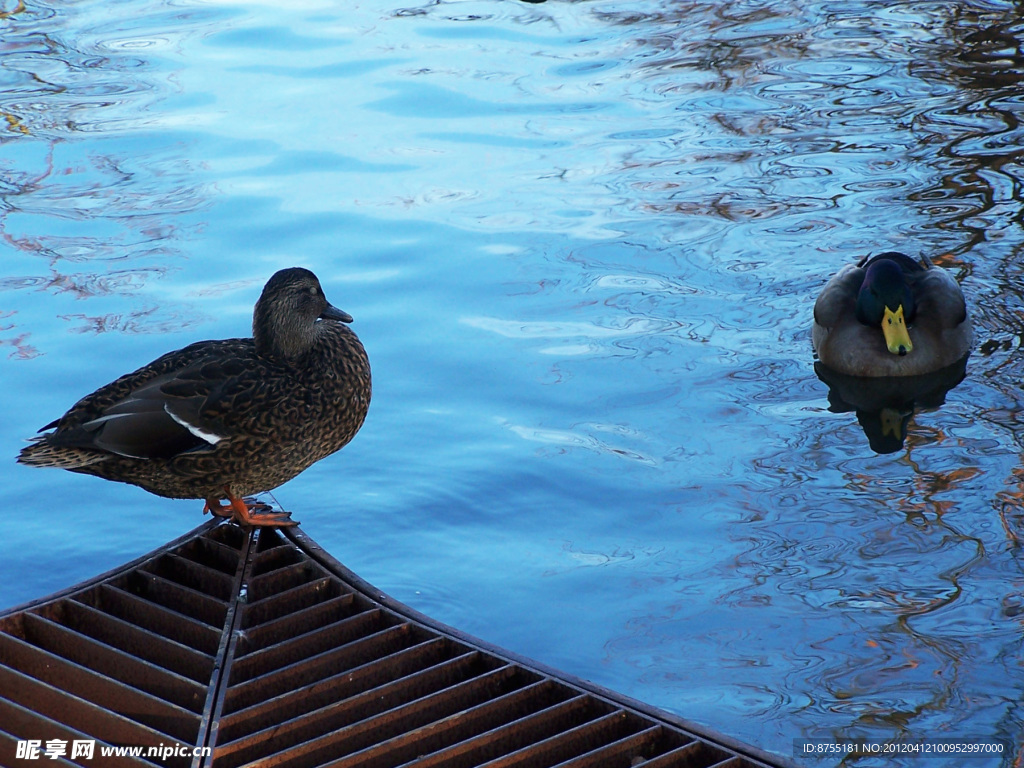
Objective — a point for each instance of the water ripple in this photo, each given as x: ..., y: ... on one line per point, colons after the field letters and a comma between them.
x: 586, y: 239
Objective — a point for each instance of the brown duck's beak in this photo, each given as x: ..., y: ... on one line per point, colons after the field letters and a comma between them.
x: 333, y: 313
x: 897, y: 337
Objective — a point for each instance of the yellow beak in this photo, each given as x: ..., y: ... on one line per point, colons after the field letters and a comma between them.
x: 892, y: 422
x: 897, y: 337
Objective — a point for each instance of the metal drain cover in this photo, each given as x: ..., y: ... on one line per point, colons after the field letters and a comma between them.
x: 261, y: 648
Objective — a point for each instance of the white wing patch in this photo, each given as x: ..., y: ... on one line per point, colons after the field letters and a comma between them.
x: 209, y: 437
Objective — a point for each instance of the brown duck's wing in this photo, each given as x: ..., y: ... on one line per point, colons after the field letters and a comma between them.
x: 141, y: 427
x: 192, y: 408
x: 94, y: 405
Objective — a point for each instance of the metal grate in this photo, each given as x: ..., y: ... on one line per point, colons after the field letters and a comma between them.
x: 261, y: 646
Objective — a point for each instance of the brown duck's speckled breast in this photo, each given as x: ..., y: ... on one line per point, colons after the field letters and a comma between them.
x: 278, y: 419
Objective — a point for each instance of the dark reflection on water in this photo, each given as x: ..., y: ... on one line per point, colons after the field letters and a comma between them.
x: 582, y: 242
x: 884, y: 406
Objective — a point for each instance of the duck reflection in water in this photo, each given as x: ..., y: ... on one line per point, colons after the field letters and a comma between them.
x: 890, y: 333
x: 885, y: 405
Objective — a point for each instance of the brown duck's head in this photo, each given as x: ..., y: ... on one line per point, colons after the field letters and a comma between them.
x: 286, y: 319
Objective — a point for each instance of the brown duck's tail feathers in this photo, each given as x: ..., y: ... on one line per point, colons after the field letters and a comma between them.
x: 41, y: 453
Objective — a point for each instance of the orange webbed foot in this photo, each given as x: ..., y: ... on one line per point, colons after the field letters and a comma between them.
x: 213, y: 507
x: 248, y: 512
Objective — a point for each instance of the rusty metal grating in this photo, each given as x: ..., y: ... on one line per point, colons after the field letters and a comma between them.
x: 262, y: 647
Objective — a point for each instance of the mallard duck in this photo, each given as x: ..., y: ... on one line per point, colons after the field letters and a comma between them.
x: 229, y: 418
x: 889, y: 315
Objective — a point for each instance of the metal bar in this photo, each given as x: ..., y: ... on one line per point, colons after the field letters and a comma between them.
x: 621, y: 752
x: 274, y: 556
x: 291, y: 600
x: 320, y: 666
x: 211, y: 552
x: 297, y: 648
x: 695, y: 753
x: 315, y: 616
x: 198, y: 576
x: 207, y: 736
x: 113, y: 663
x: 156, y: 618
x: 292, y: 729
x: 283, y: 578
x: 183, y: 599
x: 349, y: 682
x: 365, y: 739
x: 155, y: 648
x: 21, y: 723
x: 731, y: 761
x: 76, y: 712
x: 535, y: 740
x: 97, y: 688
x: 444, y: 726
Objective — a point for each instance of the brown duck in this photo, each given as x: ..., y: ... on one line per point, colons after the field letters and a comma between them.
x: 229, y: 418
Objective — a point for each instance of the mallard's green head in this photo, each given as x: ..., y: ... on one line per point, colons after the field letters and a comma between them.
x: 885, y: 301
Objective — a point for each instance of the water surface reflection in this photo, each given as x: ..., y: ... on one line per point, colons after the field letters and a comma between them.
x: 581, y: 242
x: 885, y: 406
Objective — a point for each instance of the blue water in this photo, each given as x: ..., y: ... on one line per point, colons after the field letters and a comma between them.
x: 581, y: 241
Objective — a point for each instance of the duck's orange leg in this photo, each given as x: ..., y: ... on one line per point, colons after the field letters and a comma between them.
x: 243, y: 514
x: 213, y: 507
